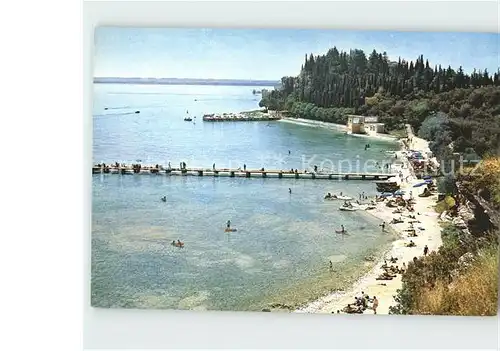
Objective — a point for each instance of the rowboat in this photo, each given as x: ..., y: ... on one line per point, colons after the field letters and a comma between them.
x: 347, y: 208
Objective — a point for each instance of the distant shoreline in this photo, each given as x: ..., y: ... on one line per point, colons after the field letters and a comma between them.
x: 185, y: 81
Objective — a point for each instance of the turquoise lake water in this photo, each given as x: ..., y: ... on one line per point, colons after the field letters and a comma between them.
x: 284, y: 242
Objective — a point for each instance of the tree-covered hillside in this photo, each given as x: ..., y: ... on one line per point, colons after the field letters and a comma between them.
x: 339, y: 83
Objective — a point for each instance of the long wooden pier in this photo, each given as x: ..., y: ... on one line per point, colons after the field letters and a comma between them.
x: 248, y: 173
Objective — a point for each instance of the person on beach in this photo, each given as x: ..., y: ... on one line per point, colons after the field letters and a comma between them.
x: 213, y: 166
x: 331, y: 266
x: 244, y: 167
x: 383, y: 226
x: 228, y: 224
x: 375, y: 305
x: 426, y: 250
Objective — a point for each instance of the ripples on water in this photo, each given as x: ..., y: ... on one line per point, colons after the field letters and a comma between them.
x: 281, y: 250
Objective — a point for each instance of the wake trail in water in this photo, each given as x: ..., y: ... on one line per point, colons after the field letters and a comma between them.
x: 135, y: 107
x: 116, y: 114
x: 117, y: 108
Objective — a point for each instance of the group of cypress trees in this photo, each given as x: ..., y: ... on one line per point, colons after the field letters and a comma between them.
x: 333, y: 85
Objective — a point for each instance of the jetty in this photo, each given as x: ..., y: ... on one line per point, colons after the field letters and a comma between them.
x: 238, y: 118
x: 229, y: 172
x: 245, y: 116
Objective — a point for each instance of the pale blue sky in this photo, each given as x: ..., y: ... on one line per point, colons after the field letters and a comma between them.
x: 269, y: 53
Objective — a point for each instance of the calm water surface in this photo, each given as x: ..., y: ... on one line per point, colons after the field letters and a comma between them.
x: 284, y: 241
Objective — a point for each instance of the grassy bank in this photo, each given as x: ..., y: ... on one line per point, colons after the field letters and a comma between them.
x: 472, y: 293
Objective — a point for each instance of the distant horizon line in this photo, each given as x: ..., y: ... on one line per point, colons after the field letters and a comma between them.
x: 171, y: 80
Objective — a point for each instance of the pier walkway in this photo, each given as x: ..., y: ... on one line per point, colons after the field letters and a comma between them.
x: 248, y: 173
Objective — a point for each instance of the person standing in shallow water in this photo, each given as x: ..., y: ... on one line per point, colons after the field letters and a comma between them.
x: 331, y: 266
x: 228, y: 224
x: 289, y: 190
x: 375, y: 305
x: 383, y: 226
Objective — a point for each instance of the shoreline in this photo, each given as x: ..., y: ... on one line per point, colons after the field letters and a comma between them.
x: 385, y: 290
x: 336, y: 127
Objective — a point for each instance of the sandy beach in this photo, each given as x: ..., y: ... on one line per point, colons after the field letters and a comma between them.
x: 336, y: 127
x: 428, y: 231
x: 313, y: 123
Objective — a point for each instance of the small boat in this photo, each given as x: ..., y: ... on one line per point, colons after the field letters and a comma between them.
x: 337, y: 197
x: 344, y: 198
x: 227, y: 230
x: 137, y: 111
x: 341, y: 231
x: 187, y: 118
x: 347, y: 208
x: 179, y: 245
x: 385, y: 194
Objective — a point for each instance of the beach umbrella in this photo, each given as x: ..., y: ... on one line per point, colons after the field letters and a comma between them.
x: 399, y: 192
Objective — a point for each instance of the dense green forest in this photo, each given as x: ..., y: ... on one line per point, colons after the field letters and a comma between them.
x: 331, y: 86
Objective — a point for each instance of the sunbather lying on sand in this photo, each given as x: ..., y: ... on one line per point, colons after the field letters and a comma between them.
x: 385, y: 276
x: 411, y: 244
x: 352, y: 309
